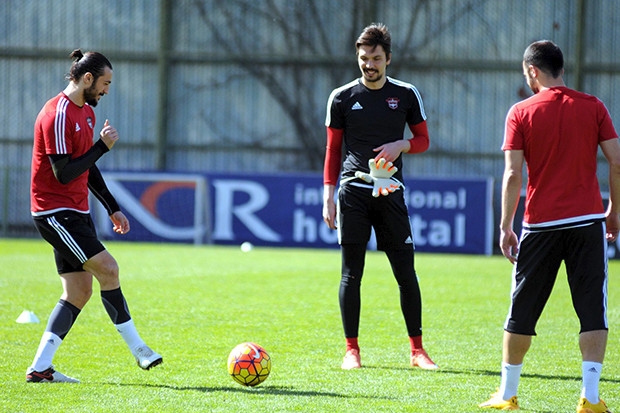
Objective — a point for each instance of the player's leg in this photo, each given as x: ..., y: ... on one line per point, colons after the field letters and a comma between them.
x: 592, y: 345
x: 353, y: 259
x: 540, y: 257
x: 394, y: 237
x: 586, y: 268
x: 402, y: 263
x: 105, y: 269
x: 75, y: 290
x: 69, y: 251
x: 390, y: 219
x: 353, y: 233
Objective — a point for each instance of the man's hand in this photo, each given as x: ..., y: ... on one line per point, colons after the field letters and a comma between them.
x: 509, y: 243
x: 329, y: 206
x: 120, y: 221
x: 613, y: 226
x: 381, y: 177
x: 108, y: 134
x: 392, y: 150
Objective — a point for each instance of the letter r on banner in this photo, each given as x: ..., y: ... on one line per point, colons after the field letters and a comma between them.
x: 225, y: 209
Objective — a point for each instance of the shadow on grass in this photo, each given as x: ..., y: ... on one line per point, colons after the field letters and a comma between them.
x: 262, y: 390
x: 528, y: 375
x: 474, y: 372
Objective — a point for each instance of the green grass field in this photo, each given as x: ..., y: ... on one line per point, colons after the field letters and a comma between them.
x: 194, y: 304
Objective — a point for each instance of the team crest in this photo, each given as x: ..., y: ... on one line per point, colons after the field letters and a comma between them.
x: 392, y: 103
x: 90, y: 122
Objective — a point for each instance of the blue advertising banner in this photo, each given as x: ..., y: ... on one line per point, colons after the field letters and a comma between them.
x: 160, y: 207
x: 447, y: 215
x: 451, y: 215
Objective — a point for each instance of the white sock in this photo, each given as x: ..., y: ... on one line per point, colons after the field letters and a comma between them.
x: 591, y: 375
x: 45, y: 353
x: 130, y: 334
x: 511, y: 374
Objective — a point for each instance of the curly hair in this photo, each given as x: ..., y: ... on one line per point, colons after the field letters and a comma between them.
x: 377, y: 34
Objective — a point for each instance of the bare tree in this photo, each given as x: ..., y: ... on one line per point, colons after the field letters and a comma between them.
x: 307, y: 35
x: 303, y: 29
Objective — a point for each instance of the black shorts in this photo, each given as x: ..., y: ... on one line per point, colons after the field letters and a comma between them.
x: 73, y: 236
x: 583, y: 250
x: 359, y: 212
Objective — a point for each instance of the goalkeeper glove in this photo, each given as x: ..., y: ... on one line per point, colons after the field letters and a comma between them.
x: 381, y: 177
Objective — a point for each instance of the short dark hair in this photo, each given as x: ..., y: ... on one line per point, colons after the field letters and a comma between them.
x: 377, y: 34
x: 545, y: 55
x: 90, y: 62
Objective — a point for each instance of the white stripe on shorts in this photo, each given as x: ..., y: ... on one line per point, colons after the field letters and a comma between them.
x: 67, y: 239
x: 606, y: 276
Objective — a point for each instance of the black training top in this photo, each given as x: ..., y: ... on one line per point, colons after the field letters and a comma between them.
x: 371, y: 118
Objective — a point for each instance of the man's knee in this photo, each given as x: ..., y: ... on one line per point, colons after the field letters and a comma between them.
x: 103, y: 266
x: 77, y: 288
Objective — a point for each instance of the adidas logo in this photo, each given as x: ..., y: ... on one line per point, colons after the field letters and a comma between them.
x: 77, y: 127
x: 357, y: 106
x: 409, y: 240
x: 593, y: 370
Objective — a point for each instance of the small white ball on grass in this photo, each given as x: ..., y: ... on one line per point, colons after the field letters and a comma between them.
x: 247, y: 246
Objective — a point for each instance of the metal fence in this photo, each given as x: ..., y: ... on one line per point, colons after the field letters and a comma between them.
x: 241, y: 85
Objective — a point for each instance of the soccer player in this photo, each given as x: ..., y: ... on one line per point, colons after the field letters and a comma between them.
x: 368, y: 116
x: 557, y: 133
x: 63, y: 170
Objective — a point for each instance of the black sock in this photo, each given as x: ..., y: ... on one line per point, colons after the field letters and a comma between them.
x: 62, y: 318
x: 116, y: 306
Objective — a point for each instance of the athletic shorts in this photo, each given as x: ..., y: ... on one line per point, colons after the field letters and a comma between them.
x: 359, y: 212
x: 583, y: 250
x: 73, y: 236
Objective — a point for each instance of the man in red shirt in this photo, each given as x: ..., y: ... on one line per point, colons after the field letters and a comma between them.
x: 557, y: 133
x: 63, y: 170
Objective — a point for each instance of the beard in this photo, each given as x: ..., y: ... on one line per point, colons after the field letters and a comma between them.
x: 369, y: 73
x: 90, y: 96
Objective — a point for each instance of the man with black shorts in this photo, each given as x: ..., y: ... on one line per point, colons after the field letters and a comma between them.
x: 368, y: 116
x: 63, y: 171
x: 557, y: 133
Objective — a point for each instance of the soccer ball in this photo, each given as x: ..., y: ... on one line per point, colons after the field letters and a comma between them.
x: 249, y: 364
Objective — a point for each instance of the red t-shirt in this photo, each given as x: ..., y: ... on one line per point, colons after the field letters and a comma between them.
x: 62, y: 127
x: 559, y: 131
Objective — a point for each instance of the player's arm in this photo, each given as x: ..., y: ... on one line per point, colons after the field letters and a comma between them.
x: 331, y: 171
x: 67, y: 169
x: 511, y: 192
x: 611, y: 150
x: 98, y: 187
x: 418, y: 143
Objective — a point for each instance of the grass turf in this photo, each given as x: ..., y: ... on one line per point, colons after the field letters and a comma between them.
x: 194, y: 304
